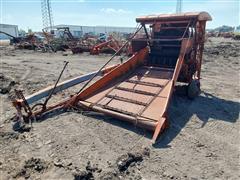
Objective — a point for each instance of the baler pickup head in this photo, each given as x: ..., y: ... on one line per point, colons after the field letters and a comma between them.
x: 139, y: 90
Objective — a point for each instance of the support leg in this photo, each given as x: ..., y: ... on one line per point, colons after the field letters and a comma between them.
x: 160, y: 126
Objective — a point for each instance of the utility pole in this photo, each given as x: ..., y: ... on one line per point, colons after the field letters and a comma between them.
x: 47, y: 16
x: 179, y: 6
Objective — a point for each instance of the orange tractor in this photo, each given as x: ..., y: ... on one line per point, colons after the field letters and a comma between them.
x: 139, y: 90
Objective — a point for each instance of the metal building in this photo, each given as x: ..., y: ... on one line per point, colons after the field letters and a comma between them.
x: 79, y: 31
x: 9, y: 29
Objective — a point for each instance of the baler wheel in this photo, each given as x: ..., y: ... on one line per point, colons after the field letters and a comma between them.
x: 193, y: 89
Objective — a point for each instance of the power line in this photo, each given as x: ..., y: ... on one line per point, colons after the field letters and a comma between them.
x: 47, y: 16
x: 179, y: 6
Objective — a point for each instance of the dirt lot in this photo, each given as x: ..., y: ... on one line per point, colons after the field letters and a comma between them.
x: 202, y: 141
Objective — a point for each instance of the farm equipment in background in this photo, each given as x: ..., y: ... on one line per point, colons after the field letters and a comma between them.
x: 65, y: 41
x: 13, y: 39
x: 139, y: 90
x: 48, y: 36
x: 236, y: 36
x: 47, y: 42
x: 66, y: 34
x: 111, y: 45
x: 31, y: 41
x: 86, y: 44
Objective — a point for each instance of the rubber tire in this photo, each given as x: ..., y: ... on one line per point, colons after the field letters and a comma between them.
x: 193, y: 89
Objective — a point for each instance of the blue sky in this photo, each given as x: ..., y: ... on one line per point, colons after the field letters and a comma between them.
x: 27, y: 13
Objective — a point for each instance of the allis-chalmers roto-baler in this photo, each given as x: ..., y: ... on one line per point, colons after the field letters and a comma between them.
x: 139, y: 90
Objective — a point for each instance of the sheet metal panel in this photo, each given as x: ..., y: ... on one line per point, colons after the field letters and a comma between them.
x: 119, y: 96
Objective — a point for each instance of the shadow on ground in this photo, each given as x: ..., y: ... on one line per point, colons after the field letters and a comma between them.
x: 181, y: 109
x: 206, y: 107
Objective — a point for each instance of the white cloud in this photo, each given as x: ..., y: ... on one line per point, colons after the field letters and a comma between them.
x: 115, y: 11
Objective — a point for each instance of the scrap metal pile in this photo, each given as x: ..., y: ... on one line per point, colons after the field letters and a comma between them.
x: 48, y: 42
x: 232, y: 35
